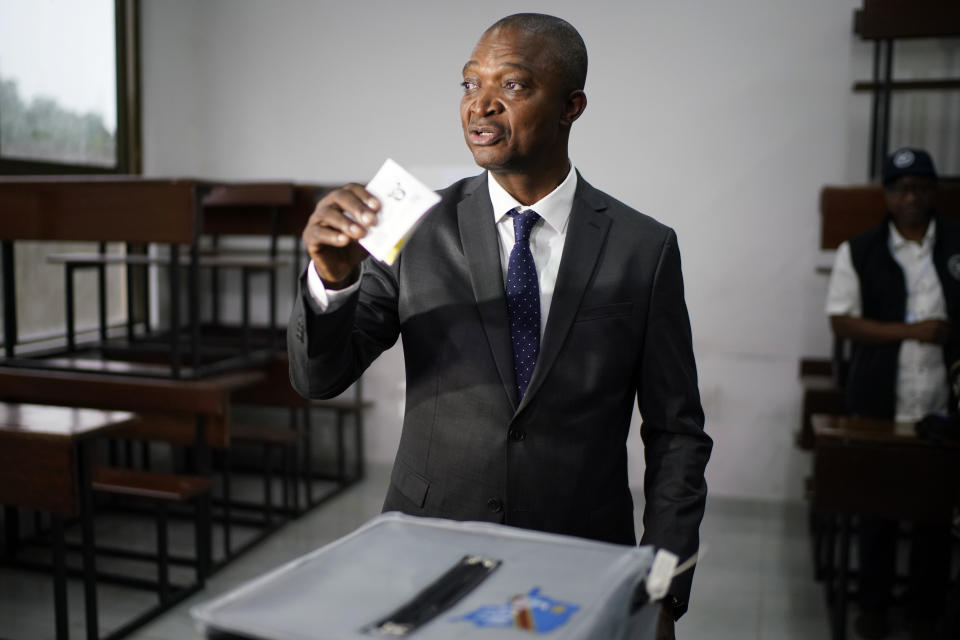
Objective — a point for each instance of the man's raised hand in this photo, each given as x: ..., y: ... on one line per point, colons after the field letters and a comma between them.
x: 340, y: 219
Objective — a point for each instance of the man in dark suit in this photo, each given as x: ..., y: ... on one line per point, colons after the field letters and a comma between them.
x: 533, y: 310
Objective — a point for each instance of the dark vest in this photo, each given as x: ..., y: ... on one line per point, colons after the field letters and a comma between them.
x: 872, y: 378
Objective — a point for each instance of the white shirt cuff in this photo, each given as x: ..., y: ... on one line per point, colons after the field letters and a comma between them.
x: 328, y: 301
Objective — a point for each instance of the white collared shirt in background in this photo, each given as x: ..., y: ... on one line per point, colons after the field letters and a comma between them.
x: 921, y: 373
x: 546, y: 243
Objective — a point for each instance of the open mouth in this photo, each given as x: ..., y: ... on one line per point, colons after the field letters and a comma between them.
x: 484, y: 134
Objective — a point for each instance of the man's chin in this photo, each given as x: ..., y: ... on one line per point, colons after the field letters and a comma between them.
x: 913, y: 218
x: 485, y: 158
x: 496, y: 164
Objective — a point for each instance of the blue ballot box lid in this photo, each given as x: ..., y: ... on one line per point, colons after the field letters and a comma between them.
x: 563, y: 586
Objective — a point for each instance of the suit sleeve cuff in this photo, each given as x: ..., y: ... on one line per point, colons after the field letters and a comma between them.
x: 321, y: 299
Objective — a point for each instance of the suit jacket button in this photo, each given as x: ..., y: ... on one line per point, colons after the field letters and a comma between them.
x: 494, y: 505
x: 516, y: 435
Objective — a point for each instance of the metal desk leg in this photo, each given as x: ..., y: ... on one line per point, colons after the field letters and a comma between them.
x: 359, y: 469
x: 174, y: 275
x: 840, y: 604
x: 68, y: 302
x: 830, y: 557
x: 226, y: 461
x: 89, y: 558
x: 204, y: 543
x: 245, y: 312
x: 7, y: 266
x: 341, y: 448
x: 308, y: 455
x: 11, y: 531
x: 60, y: 580
x: 102, y: 295
x: 295, y: 469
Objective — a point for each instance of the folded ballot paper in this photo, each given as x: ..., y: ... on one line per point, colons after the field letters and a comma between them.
x: 403, y: 202
x: 433, y: 579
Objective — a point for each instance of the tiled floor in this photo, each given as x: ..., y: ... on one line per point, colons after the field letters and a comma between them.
x: 755, y: 580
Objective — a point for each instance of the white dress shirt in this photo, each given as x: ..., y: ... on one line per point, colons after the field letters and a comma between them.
x: 546, y: 243
x: 921, y: 373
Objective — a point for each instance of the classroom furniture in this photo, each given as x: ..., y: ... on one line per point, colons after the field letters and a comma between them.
x: 190, y: 413
x: 183, y: 220
x: 274, y: 390
x: 883, y: 22
x: 181, y: 375
x: 821, y: 394
x: 45, y: 465
x: 875, y: 468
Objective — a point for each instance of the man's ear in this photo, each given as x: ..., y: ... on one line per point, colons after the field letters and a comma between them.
x: 573, y: 107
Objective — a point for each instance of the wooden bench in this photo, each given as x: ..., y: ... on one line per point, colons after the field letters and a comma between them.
x: 165, y: 487
x: 274, y: 390
x: 44, y: 464
x: 162, y: 489
x: 281, y: 440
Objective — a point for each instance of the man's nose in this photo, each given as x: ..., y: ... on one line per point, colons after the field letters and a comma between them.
x: 486, y: 102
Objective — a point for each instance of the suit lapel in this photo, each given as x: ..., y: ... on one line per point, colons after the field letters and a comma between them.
x: 586, y: 232
x: 478, y: 237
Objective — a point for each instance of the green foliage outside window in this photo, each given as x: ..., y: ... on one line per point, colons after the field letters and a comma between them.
x: 43, y: 130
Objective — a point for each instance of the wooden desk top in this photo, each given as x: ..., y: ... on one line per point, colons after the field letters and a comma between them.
x: 881, y: 468
x: 108, y: 209
x: 137, y: 209
x: 226, y: 261
x: 43, y: 421
x: 38, y: 452
x: 229, y: 217
x: 868, y: 431
x: 207, y: 396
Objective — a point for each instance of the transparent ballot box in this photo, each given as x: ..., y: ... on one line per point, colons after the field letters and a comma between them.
x: 430, y: 579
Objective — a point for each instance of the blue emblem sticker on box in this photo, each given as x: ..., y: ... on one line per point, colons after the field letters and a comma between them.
x: 532, y: 612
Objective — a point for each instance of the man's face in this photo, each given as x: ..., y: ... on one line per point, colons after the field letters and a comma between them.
x: 910, y: 200
x: 513, y: 103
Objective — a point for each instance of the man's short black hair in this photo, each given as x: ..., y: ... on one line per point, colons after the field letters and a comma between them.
x: 571, y: 50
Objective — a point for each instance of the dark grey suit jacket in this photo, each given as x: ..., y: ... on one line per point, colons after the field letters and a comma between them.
x: 617, y: 330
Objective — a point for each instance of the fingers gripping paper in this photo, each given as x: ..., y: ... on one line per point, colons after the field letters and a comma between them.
x: 403, y: 202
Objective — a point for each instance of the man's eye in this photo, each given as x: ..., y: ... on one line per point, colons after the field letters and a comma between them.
x: 513, y: 85
x: 468, y: 85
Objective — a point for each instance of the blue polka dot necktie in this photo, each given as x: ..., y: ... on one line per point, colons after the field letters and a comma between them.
x: 523, y: 300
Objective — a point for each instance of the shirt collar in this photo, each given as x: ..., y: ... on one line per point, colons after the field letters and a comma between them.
x: 897, y: 241
x: 554, y: 208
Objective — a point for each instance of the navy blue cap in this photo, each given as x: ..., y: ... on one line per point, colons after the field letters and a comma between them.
x: 907, y: 162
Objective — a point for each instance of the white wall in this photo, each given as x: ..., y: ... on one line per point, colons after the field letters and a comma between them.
x: 722, y: 119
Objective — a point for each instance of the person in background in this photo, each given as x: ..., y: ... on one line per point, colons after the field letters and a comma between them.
x: 534, y: 311
x: 895, y: 294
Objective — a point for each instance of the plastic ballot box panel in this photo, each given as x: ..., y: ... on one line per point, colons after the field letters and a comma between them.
x: 559, y: 586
